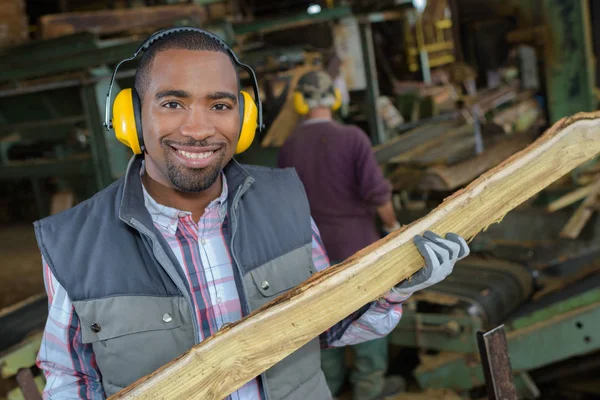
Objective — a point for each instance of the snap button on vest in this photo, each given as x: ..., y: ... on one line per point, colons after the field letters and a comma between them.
x: 95, y: 327
x: 265, y: 285
x: 167, y: 317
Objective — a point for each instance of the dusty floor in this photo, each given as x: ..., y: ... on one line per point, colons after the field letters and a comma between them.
x: 20, y: 264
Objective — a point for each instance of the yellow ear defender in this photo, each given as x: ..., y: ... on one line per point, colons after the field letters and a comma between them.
x: 300, y: 104
x: 248, y: 116
x: 302, y: 107
x: 124, y: 121
x: 338, y: 99
x: 127, y: 110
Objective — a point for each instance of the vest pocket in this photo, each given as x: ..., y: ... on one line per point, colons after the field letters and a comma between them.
x: 279, y: 275
x: 134, y: 335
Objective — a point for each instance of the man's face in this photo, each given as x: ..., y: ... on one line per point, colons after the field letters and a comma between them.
x: 190, y: 117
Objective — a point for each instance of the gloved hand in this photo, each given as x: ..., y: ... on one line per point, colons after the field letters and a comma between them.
x: 389, y: 229
x: 440, y: 257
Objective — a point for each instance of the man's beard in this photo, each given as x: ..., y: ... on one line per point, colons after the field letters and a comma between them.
x: 194, y: 180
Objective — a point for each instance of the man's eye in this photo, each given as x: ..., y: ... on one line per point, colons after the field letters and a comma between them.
x: 172, y: 104
x: 221, y: 107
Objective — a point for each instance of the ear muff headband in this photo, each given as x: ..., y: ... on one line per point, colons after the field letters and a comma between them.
x: 130, y: 118
x: 302, y: 107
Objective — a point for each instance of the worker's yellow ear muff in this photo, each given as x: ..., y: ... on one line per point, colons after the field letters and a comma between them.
x: 128, y: 125
x: 127, y: 110
x: 248, y: 118
x: 300, y: 104
x: 338, y: 99
x: 302, y: 107
x: 125, y: 120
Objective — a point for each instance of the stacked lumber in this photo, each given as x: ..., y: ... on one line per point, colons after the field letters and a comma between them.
x: 584, y: 212
x: 107, y: 22
x: 423, y: 137
x: 451, y: 146
x: 446, y: 178
x: 518, y: 117
x: 227, y: 360
x: 443, y: 155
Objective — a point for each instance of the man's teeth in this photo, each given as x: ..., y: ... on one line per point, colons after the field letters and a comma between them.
x: 195, y: 156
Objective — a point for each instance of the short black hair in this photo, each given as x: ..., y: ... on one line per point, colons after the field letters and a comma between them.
x: 188, y: 40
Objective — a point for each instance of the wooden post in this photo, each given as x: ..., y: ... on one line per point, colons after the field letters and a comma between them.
x: 227, y: 360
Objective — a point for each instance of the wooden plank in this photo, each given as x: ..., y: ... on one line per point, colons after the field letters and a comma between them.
x: 287, y: 119
x: 583, y: 214
x: 413, y: 139
x: 445, y: 178
x: 236, y: 354
x: 519, y: 117
x: 451, y: 136
x: 107, y: 22
x: 570, y: 198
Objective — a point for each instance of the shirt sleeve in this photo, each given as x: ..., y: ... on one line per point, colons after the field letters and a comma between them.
x: 372, y: 321
x: 373, y: 188
x: 68, y: 364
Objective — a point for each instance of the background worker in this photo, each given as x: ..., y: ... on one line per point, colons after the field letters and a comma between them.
x: 345, y: 189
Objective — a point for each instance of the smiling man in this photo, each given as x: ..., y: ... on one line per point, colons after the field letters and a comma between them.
x: 189, y: 241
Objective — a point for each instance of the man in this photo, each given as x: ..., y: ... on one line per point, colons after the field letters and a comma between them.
x: 345, y: 189
x: 186, y: 242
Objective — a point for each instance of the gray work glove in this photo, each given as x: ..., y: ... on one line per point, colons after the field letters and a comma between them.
x: 440, y: 257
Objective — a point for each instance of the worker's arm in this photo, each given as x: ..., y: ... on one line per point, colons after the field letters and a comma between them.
x: 372, y: 321
x: 68, y: 364
x: 388, y: 217
x: 373, y: 188
x: 379, y: 318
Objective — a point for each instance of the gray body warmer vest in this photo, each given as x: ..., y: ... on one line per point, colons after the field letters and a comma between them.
x: 121, y: 274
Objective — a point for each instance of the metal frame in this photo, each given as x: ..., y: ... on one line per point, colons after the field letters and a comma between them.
x: 555, y: 333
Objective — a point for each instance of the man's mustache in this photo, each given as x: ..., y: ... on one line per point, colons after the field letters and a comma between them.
x: 192, y: 143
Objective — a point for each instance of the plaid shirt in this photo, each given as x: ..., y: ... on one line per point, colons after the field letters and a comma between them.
x: 70, y: 366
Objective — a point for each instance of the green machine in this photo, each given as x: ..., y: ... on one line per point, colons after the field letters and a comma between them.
x: 52, y: 95
x: 544, y: 290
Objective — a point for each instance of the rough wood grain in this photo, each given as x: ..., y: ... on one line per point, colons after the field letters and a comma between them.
x: 238, y: 353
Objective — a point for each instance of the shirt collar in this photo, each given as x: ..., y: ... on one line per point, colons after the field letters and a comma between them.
x: 315, y: 121
x: 168, y: 217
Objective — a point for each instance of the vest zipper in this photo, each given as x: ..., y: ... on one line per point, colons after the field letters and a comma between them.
x: 234, y: 225
x: 244, y: 300
x: 169, y: 268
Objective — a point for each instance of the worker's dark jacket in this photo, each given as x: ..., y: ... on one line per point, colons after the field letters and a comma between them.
x: 123, y: 278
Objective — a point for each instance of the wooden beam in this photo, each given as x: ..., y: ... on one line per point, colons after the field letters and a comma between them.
x: 575, y: 225
x: 413, y: 139
x: 236, y: 354
x: 570, y: 198
x: 445, y: 178
x: 106, y: 22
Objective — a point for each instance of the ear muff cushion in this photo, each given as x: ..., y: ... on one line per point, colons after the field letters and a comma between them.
x: 137, y: 113
x: 124, y: 120
x: 249, y: 121
x: 300, y: 104
x: 338, y: 99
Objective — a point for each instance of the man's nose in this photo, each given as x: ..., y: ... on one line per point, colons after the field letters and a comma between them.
x: 197, y: 124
